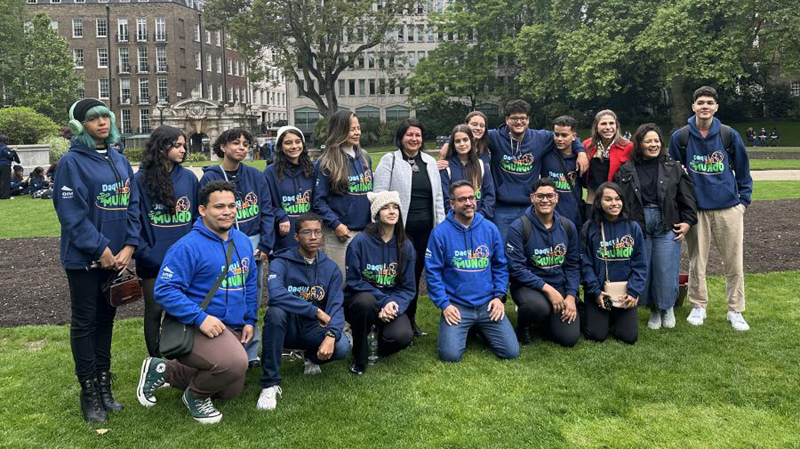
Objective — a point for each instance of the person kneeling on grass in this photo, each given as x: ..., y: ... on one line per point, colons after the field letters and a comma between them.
x: 305, y: 309
x: 544, y: 262
x: 216, y: 366
x: 466, y: 272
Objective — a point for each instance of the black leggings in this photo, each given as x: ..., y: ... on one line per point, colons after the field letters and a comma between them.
x: 92, y: 322
x: 5, y: 182
x: 535, y: 309
x: 152, y: 317
x: 361, y: 311
x: 598, y: 322
x: 418, y: 232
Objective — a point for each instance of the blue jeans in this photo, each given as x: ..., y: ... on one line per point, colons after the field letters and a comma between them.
x: 288, y: 330
x: 252, y: 346
x: 663, y: 261
x: 499, y: 334
x: 505, y: 214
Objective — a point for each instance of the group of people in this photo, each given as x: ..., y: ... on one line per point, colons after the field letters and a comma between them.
x: 14, y: 183
x: 763, y: 138
x: 501, y: 211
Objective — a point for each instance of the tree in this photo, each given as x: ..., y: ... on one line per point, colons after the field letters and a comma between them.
x: 320, y: 39
x: 12, y: 21
x: 44, y: 77
x: 25, y: 126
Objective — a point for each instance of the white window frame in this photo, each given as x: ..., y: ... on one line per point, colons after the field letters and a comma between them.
x: 77, y: 28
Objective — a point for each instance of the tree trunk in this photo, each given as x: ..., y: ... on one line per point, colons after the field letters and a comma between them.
x: 679, y: 111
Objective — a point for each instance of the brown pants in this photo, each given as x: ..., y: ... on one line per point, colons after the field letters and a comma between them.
x: 725, y: 229
x: 215, y: 368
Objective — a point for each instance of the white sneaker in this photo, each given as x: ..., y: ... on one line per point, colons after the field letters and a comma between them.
x: 737, y: 321
x: 310, y: 367
x: 268, y: 399
x: 668, y: 318
x: 655, y: 320
x: 697, y: 316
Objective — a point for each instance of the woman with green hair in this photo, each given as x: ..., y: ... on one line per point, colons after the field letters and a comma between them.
x: 98, y: 207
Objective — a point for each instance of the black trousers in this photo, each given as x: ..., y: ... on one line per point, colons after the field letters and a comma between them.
x: 5, y: 182
x: 361, y: 311
x: 92, y: 322
x: 536, y: 310
x: 152, y: 317
x: 418, y: 232
x: 600, y: 322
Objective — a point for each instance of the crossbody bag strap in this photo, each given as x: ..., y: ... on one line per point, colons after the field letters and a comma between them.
x: 221, y: 276
x: 605, y: 255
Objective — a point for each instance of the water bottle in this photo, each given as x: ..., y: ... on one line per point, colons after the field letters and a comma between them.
x: 372, y: 342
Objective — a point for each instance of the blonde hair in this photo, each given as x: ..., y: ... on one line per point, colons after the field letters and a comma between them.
x: 333, y: 161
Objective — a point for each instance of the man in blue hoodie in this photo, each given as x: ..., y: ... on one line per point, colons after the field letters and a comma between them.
x: 716, y: 159
x: 305, y: 309
x: 466, y: 272
x: 7, y: 157
x: 561, y: 166
x: 216, y: 366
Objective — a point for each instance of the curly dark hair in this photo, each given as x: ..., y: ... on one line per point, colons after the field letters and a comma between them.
x: 157, y: 178
x: 229, y: 136
x: 282, y: 163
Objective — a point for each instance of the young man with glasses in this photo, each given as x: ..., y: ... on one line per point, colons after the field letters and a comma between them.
x: 517, y: 153
x: 544, y: 263
x: 305, y: 309
x: 465, y: 267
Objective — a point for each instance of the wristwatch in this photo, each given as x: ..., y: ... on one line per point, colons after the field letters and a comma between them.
x: 330, y: 333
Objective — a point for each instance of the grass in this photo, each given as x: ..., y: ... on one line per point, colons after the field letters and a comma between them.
x: 776, y: 190
x: 706, y: 387
x: 773, y: 150
x: 775, y: 164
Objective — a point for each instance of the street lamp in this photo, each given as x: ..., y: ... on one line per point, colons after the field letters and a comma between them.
x: 161, y: 105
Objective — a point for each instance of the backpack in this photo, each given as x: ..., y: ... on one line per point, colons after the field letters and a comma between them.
x: 683, y: 141
x: 526, y: 228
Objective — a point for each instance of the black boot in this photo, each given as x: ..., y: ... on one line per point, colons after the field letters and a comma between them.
x: 104, y: 379
x: 91, y: 404
x: 524, y: 336
x: 417, y: 331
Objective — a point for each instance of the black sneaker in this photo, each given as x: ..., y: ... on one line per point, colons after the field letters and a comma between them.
x: 524, y: 336
x: 358, y: 370
x: 91, y: 404
x: 417, y: 331
x: 150, y: 379
x: 104, y: 379
x: 202, y: 410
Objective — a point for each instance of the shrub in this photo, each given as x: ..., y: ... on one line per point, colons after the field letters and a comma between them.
x: 196, y: 157
x: 134, y: 154
x: 58, y: 147
x: 320, y: 132
x: 24, y: 126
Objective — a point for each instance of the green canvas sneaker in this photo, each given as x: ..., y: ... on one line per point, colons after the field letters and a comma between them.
x: 150, y: 378
x: 202, y: 410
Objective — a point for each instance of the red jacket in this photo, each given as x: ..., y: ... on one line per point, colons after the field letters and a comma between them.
x: 618, y: 154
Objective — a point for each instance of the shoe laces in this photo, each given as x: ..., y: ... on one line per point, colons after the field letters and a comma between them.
x: 737, y: 318
x: 155, y: 385
x: 274, y: 391
x: 205, y: 406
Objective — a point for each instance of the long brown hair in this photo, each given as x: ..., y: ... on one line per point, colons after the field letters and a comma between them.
x: 334, y: 160
x: 282, y: 163
x: 473, y: 167
x: 596, y: 135
x: 481, y: 145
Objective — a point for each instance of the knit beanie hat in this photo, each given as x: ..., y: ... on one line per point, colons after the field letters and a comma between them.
x: 81, y: 107
x: 380, y: 199
x: 282, y: 130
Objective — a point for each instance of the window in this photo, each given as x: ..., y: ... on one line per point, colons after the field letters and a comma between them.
x: 219, y: 64
x: 420, y: 55
x: 82, y: 90
x: 198, y: 61
x: 122, y: 30
x: 31, y: 2
x: 161, y: 59
x: 210, y: 91
x: 392, y: 87
x: 341, y: 88
x: 400, y: 33
x: 420, y: 33
x: 163, y: 92
x: 301, y: 87
x: 208, y: 63
x: 305, y: 118
x: 141, y: 30
x: 103, y: 88
x: 382, y: 87
x: 182, y: 57
x: 144, y: 120
x: 368, y: 112
x: 371, y: 87
x: 126, y: 126
x: 144, y: 91
x: 197, y: 33
x: 101, y: 27
x: 397, y: 113
x: 77, y: 57
x: 794, y: 88
x: 124, y: 60
x: 102, y: 58
x: 161, y: 29
x: 125, y: 90
x: 272, y: 97
x: 371, y: 60
x: 54, y: 25
x: 410, y: 36
x: 230, y: 67
x: 230, y: 94
x: 208, y: 37
x: 412, y: 60
x: 362, y: 88
x: 55, y: 1
x: 181, y: 29
x: 143, y: 66
x: 77, y: 28
x: 219, y: 92
x: 219, y: 38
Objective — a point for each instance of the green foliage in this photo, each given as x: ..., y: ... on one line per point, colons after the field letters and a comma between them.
x: 320, y: 134
x: 11, y: 40
x: 197, y: 157
x: 440, y: 119
x: 24, y: 126
x: 58, y: 146
x: 134, y: 154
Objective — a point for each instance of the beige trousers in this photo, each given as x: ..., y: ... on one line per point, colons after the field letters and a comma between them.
x: 725, y: 229
x: 337, y: 250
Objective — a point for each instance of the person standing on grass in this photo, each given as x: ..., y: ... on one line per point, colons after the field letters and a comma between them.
x: 7, y: 158
x: 216, y: 365
x: 97, y: 204
x: 412, y: 173
x: 305, y: 309
x: 343, y: 176
x: 612, y: 251
x: 290, y: 181
x: 380, y: 282
x: 254, y: 205
x: 517, y: 154
x: 167, y: 211
x: 715, y: 158
x: 607, y: 149
x: 463, y: 162
x: 660, y: 197
x: 544, y: 263
x: 467, y: 276
x: 561, y: 166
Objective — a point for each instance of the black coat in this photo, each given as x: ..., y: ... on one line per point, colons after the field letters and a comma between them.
x: 676, y: 197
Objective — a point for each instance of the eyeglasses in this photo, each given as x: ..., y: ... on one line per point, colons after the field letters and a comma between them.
x: 466, y: 199
x: 544, y: 196
x: 310, y: 232
x: 518, y: 119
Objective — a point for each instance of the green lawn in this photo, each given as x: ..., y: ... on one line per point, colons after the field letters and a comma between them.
x: 776, y: 190
x: 706, y: 387
x: 773, y: 150
x: 775, y: 164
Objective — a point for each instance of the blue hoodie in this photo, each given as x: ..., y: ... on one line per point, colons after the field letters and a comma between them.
x: 466, y: 266
x: 350, y: 209
x: 6, y: 156
x: 97, y: 204
x: 485, y: 194
x: 549, y: 257
x: 516, y: 164
x: 36, y: 184
x: 625, y: 254
x: 301, y: 288
x: 720, y: 180
x: 372, y: 267
x: 290, y: 198
x: 159, y: 228
x: 570, y: 202
x: 254, y: 215
x: 191, y: 268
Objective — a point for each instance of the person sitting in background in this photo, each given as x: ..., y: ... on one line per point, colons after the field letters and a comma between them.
x: 774, y: 138
x: 762, y: 137
x: 751, y: 136
x: 19, y: 185
x: 38, y: 185
x: 51, y: 172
